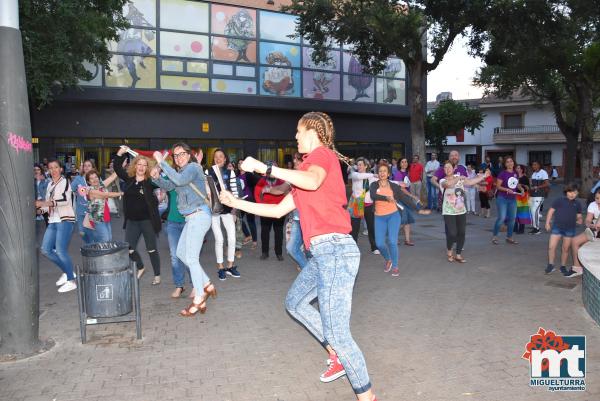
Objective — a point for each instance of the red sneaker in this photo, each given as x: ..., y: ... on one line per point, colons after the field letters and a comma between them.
x: 335, y: 370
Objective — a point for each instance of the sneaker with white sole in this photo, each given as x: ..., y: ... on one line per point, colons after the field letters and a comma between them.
x: 376, y: 252
x: 335, y: 370
x: 68, y: 286
x: 62, y: 280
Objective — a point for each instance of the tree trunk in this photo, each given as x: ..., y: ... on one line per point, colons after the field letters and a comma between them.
x: 19, y: 289
x: 586, y: 150
x: 571, y: 155
x: 417, y: 112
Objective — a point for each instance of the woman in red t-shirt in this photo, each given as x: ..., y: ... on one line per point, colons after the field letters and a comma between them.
x: 271, y: 191
x: 319, y: 195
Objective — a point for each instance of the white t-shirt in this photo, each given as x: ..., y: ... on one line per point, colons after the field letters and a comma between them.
x: 539, y: 175
x: 431, y: 166
x: 595, y: 210
x: 537, y: 179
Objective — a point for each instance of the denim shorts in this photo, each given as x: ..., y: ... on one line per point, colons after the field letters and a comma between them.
x: 569, y: 233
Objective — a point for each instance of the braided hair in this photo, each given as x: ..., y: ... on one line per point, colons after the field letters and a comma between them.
x: 323, y: 126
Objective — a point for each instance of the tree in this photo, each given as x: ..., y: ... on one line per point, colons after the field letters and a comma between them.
x: 59, y: 35
x: 378, y: 29
x: 550, y: 52
x: 449, y: 117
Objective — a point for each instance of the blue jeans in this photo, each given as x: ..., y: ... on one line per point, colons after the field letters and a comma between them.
x: 329, y: 276
x: 85, y: 233
x: 294, y: 245
x: 102, y: 232
x: 190, y: 244
x: 432, y: 194
x: 174, y: 231
x: 386, y: 236
x: 55, y: 246
x: 507, y: 211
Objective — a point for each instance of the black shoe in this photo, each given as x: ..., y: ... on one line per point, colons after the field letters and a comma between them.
x: 535, y: 231
x: 280, y: 257
x: 264, y: 256
x: 549, y: 269
x: 222, y: 275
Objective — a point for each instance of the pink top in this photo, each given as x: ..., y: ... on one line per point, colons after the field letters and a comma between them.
x: 322, y: 211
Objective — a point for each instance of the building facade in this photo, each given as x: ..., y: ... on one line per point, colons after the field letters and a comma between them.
x: 229, y: 75
x: 518, y: 127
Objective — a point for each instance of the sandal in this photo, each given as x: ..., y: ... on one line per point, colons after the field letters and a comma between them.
x: 511, y: 241
x: 211, y: 293
x: 408, y: 243
x: 177, y: 292
x: 254, y: 245
x: 495, y: 241
x: 201, y: 307
x: 156, y: 280
x: 141, y: 272
x: 459, y: 259
x: 247, y: 240
x: 450, y: 257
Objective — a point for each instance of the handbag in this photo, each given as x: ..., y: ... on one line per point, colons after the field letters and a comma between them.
x: 356, y: 205
x: 88, y: 222
x: 213, y: 202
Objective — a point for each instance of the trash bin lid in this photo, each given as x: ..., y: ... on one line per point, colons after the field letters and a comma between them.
x: 103, y: 248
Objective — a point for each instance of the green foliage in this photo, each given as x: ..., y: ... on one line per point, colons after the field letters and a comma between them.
x: 449, y: 117
x: 378, y: 29
x: 548, y: 50
x: 59, y: 35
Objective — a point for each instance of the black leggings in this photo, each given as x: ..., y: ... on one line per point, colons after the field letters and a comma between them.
x: 134, y: 230
x: 370, y: 220
x: 265, y: 232
x: 455, y: 231
x: 484, y: 200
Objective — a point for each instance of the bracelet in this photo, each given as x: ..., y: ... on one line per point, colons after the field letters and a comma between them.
x: 269, y: 168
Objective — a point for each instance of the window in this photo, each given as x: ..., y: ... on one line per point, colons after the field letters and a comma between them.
x: 543, y: 156
x: 471, y: 159
x: 512, y: 120
x: 278, y: 27
x: 184, y: 15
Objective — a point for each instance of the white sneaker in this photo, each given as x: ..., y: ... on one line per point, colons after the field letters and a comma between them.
x: 62, y: 280
x: 68, y: 286
x: 366, y: 232
x: 376, y: 252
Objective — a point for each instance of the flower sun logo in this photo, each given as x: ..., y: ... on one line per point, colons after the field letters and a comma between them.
x: 557, y: 362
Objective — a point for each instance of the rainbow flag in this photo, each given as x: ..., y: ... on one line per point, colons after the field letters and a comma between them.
x: 523, y: 213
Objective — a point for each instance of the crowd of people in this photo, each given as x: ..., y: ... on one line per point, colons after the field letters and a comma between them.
x: 174, y: 191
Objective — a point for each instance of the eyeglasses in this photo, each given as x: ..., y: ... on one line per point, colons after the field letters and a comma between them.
x: 178, y: 155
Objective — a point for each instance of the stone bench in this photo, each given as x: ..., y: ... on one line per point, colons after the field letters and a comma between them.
x: 589, y: 255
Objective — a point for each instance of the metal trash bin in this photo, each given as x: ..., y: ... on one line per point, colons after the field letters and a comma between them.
x: 106, y: 279
x: 107, y: 287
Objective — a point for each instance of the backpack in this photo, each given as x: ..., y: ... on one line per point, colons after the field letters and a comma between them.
x: 213, y: 202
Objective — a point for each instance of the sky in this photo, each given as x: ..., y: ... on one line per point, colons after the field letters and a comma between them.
x: 455, y: 74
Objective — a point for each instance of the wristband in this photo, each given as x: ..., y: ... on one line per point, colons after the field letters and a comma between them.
x: 269, y: 168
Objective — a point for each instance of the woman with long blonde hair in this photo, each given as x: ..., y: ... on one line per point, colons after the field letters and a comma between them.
x: 319, y: 194
x: 140, y: 209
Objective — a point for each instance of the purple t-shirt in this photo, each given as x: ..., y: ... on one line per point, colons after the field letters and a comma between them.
x: 510, y: 180
x: 402, y: 176
x: 459, y: 169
